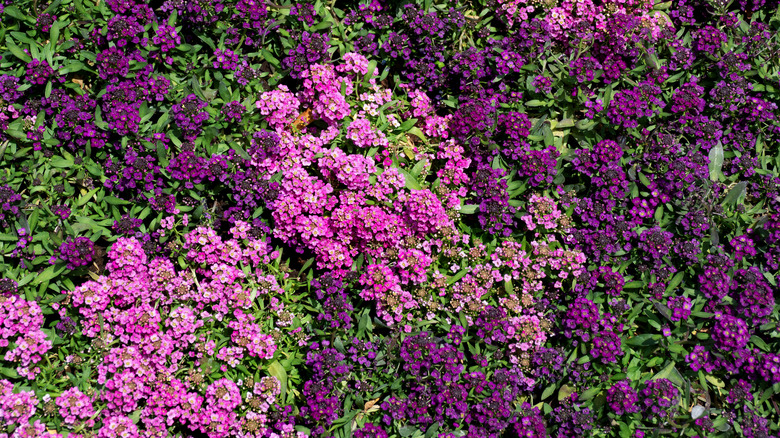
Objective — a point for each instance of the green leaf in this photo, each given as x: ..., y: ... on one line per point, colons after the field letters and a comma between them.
x: 364, y: 321
x: 644, y: 179
x: 565, y: 392
x: 269, y: 57
x: 13, y: 11
x: 115, y: 201
x: 406, y: 430
x: 10, y: 372
x: 589, y: 394
x: 411, y: 181
x: 663, y: 310
x: 339, y: 345
x: 432, y: 429
x: 716, y: 161
x: 86, y: 197
x: 325, y: 24
x: 415, y: 131
x: 670, y: 372
x: 406, y: 125
x: 48, y: 274
x: 565, y: 123
x: 758, y: 342
x: 370, y: 72
x: 548, y: 391
x: 676, y: 280
x: 61, y: 162
x: 659, y: 213
x: 457, y: 276
x: 16, y: 51
x: 306, y: 266
x: 463, y: 321
x: 469, y: 209
x: 585, y: 124
x: 736, y: 193
x: 417, y: 169
x: 54, y: 33
x: 642, y: 340
x: 277, y: 370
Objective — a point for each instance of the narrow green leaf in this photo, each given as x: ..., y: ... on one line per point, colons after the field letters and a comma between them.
x: 115, y: 201
x: 548, y: 391
x: 277, y: 370
x: 716, y: 161
x: 54, y: 33
x: 370, y: 72
x: 676, y: 280
x: 736, y: 194
x: 589, y: 394
x: 16, y: 51
x: 670, y: 372
x: 406, y: 125
x: 457, y: 276
x: 411, y: 181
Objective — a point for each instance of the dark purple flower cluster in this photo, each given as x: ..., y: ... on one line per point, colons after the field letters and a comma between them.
x: 770, y: 368
x: 709, y: 40
x: 127, y: 225
x: 584, y: 69
x: 189, y: 116
x: 584, y: 321
x: 659, y: 399
x: 138, y: 171
x: 539, y: 167
x: 8, y: 287
x: 66, y: 327
x: 9, y: 88
x: 9, y: 200
x: 124, y: 30
x: 730, y: 333
x: 63, y: 211
x: 548, y: 364
x: 77, y: 252
x: 75, y: 120
x: 232, y: 111
x: 622, y: 398
x: 39, y: 72
x: 225, y: 59
x: 530, y: 423
x: 740, y: 392
x: 166, y: 37
x: 631, y: 105
x: 189, y: 167
x: 573, y: 420
x: 336, y: 372
x: 336, y: 303
x: 113, y: 64
x: 439, y: 389
x: 680, y: 306
x: 45, y: 21
x: 369, y: 430
x: 312, y: 48
x: 491, y: 190
x: 754, y: 296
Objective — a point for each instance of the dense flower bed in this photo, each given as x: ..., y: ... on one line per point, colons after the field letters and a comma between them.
x: 478, y: 218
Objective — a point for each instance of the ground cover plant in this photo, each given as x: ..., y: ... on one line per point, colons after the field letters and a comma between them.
x: 477, y: 218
